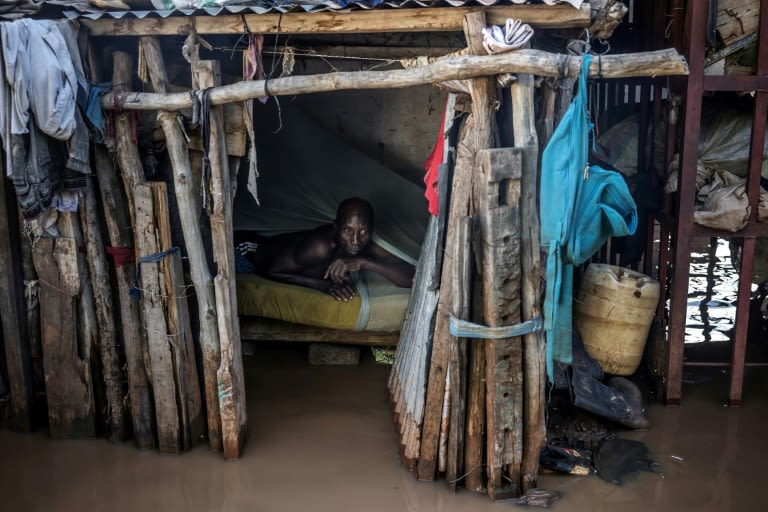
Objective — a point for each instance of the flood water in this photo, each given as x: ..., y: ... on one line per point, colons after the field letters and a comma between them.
x: 322, y: 439
x: 712, y: 294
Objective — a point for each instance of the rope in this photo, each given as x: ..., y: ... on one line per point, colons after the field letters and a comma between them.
x: 465, y: 329
x: 152, y: 258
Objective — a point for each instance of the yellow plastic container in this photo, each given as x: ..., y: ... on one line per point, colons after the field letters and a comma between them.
x: 613, y: 311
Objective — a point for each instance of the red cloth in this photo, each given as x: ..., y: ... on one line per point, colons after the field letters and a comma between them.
x: 122, y: 255
x: 432, y: 166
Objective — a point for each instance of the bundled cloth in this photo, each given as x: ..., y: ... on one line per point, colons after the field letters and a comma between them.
x: 512, y: 36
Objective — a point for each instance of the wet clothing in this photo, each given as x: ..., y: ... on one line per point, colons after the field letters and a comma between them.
x: 42, y: 82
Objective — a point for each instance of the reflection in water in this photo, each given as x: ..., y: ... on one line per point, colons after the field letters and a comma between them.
x: 712, y: 294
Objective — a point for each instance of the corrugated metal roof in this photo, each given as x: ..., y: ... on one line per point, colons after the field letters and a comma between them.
x: 82, y: 10
x: 52, y: 9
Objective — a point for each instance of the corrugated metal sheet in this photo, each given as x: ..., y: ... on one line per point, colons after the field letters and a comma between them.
x: 278, y: 6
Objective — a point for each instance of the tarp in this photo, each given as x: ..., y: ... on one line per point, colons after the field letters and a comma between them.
x: 306, y: 171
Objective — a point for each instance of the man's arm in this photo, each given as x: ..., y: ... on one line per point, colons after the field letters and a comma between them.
x: 380, y: 261
x: 307, y: 258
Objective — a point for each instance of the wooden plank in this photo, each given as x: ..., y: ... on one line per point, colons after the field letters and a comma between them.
x: 152, y: 292
x: 447, y: 19
x: 179, y: 329
x: 457, y: 357
x: 658, y: 63
x: 117, y: 413
x: 119, y: 230
x: 87, y: 333
x: 736, y: 19
x: 497, y: 200
x: 67, y: 376
x: 190, y: 225
x: 231, y: 380
x: 266, y: 329
x: 234, y: 131
x: 442, y: 339
x: 534, y: 372
x: 14, y: 325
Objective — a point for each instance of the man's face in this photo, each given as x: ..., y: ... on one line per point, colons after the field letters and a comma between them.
x: 354, y: 233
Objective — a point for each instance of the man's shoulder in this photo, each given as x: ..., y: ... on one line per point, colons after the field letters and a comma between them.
x: 319, y: 242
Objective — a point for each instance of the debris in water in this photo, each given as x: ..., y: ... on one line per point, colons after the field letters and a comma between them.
x: 566, y: 460
x: 538, y: 498
x: 618, y: 459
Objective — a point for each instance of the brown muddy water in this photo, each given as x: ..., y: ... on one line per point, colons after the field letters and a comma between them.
x: 322, y: 440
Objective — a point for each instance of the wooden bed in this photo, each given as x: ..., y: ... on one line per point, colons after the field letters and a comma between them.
x: 257, y: 329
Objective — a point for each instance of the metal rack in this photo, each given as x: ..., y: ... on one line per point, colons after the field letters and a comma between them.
x: 678, y: 231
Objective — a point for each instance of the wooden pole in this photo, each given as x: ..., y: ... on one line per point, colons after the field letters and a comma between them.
x: 119, y: 230
x: 534, y: 373
x: 230, y: 373
x: 190, y: 224
x: 160, y: 358
x: 179, y: 330
x: 535, y: 62
x: 107, y: 336
x: 457, y: 357
x: 14, y: 325
x: 482, y: 135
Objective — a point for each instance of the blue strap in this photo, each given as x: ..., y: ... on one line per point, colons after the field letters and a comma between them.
x: 152, y: 258
x: 465, y: 329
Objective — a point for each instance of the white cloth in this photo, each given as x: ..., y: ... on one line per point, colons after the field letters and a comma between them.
x: 512, y: 36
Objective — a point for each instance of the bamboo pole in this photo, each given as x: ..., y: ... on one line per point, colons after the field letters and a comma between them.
x: 535, y: 62
x: 190, y: 224
x: 230, y: 372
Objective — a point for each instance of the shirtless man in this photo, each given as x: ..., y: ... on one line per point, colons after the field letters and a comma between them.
x: 322, y: 258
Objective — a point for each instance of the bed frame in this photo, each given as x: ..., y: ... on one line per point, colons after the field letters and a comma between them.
x: 266, y: 329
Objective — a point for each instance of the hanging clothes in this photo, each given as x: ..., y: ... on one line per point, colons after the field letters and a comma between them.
x: 42, y: 81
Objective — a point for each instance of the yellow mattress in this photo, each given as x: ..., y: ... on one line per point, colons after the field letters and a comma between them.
x: 378, y: 305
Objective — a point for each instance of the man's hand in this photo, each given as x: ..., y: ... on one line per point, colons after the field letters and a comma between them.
x: 339, y: 270
x: 341, y: 291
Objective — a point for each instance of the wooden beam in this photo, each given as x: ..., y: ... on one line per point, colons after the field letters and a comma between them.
x: 103, y: 305
x: 447, y: 19
x: 67, y: 374
x: 534, y: 372
x: 152, y: 292
x: 230, y: 375
x: 189, y: 212
x: 179, y: 329
x: 535, y: 62
x: 14, y: 325
x: 497, y: 198
x: 266, y: 329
